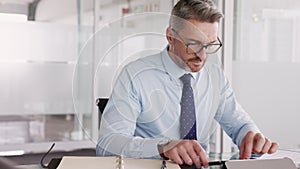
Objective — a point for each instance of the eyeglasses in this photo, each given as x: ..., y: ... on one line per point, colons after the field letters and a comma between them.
x: 194, y: 48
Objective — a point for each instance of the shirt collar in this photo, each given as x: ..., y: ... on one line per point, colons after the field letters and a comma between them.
x: 174, y: 69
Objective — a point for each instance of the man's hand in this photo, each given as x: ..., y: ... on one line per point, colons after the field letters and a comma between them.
x: 256, y: 143
x: 186, y: 152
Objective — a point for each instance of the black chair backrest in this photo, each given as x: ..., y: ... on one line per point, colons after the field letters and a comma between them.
x: 101, y: 103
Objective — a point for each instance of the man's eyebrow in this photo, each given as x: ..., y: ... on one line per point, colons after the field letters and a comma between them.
x: 198, y: 41
x: 213, y: 41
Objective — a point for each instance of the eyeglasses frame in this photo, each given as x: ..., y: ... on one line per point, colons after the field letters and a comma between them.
x: 203, y: 46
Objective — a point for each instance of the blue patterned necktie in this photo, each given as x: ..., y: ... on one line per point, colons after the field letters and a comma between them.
x: 188, y: 116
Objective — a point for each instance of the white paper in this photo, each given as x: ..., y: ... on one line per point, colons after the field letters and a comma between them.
x: 294, y: 155
x: 284, y: 163
x: 76, y: 162
x: 69, y: 162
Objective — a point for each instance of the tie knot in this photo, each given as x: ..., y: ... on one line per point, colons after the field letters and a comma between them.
x: 186, y: 79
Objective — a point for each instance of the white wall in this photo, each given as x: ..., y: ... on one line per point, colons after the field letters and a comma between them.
x: 270, y: 93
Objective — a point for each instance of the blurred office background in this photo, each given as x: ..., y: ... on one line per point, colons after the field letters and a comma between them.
x: 57, y: 57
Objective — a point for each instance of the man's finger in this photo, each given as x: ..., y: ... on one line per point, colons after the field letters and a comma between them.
x: 194, y: 156
x: 185, y: 156
x: 274, y: 148
x: 266, y: 146
x: 173, y: 155
x: 246, y: 146
x: 202, y: 155
x: 258, y: 143
x: 242, y: 149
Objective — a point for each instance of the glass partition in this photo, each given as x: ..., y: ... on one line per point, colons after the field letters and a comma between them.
x: 266, y: 66
x: 37, y: 64
x: 53, y: 67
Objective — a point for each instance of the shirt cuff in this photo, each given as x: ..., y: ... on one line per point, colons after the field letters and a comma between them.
x: 150, y: 147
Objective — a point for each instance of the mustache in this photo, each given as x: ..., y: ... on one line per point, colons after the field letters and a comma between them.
x: 195, y: 59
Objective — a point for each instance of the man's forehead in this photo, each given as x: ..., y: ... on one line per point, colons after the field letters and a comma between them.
x: 204, y: 31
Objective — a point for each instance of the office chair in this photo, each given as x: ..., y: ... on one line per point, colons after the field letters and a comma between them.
x: 101, y: 103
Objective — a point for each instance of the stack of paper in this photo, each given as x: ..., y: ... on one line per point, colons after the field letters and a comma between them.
x: 282, y: 159
x: 294, y: 155
x: 284, y: 163
x: 281, y: 153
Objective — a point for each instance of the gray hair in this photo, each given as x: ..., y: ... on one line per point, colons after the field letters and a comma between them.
x: 199, y: 10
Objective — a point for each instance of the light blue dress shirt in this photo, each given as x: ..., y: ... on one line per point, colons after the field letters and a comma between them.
x: 144, y: 108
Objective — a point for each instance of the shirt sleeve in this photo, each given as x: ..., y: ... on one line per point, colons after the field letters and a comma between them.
x: 235, y: 121
x: 118, y: 123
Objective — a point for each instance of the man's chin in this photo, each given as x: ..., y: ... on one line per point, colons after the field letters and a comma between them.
x: 195, y: 68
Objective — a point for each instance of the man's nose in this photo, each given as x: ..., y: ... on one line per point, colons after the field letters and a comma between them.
x: 202, y: 54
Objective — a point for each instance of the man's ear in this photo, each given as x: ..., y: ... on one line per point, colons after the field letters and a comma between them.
x: 169, y: 36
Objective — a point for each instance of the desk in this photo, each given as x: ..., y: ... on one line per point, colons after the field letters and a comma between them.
x: 35, y: 166
x: 39, y: 167
x: 212, y: 157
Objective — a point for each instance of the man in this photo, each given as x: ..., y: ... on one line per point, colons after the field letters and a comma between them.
x: 164, y: 105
